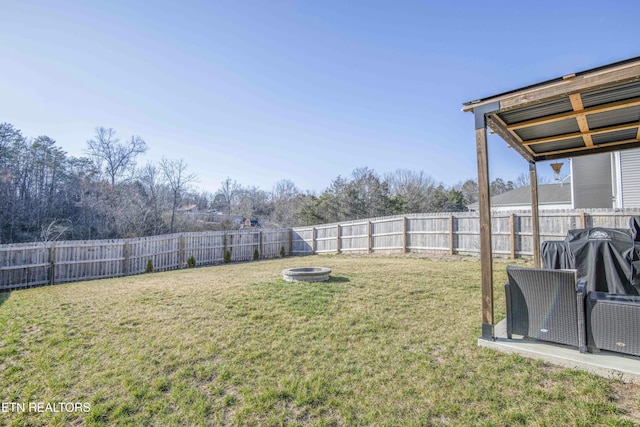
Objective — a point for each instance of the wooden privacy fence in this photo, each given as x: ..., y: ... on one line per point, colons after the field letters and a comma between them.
x: 32, y: 264
x: 450, y: 233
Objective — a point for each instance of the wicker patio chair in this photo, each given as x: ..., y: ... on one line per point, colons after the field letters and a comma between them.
x: 613, y: 323
x: 634, y: 225
x: 546, y: 305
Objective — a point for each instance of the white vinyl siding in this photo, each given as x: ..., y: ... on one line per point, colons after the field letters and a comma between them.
x: 630, y: 172
x: 592, y: 181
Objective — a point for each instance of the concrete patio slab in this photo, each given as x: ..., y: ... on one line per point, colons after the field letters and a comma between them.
x: 606, y: 364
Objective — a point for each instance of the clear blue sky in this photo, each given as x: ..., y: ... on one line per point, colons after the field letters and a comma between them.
x: 304, y: 90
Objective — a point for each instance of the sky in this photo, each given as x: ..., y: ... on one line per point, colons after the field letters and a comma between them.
x: 264, y: 90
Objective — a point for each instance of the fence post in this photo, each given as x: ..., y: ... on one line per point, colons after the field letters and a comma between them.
x: 314, y: 245
x: 369, y: 239
x: 451, y: 236
x: 260, y: 245
x: 338, y: 238
x: 290, y: 241
x: 404, y: 235
x: 126, y: 252
x: 224, y: 245
x: 52, y: 264
x: 583, y: 220
x: 512, y: 231
x: 181, y: 251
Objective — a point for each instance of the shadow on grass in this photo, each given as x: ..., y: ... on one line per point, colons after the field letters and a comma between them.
x: 4, y: 296
x: 337, y: 279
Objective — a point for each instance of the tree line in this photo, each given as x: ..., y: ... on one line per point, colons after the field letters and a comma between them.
x: 46, y: 194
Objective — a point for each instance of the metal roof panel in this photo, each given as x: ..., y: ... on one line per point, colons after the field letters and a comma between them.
x: 563, y: 144
x: 556, y: 106
x: 611, y: 94
x: 614, y: 117
x: 620, y: 135
x: 562, y: 127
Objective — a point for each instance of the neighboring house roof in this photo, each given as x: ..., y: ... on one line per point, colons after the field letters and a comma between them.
x: 548, y: 194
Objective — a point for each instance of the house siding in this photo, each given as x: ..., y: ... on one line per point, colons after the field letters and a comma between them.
x: 592, y: 181
x: 630, y: 173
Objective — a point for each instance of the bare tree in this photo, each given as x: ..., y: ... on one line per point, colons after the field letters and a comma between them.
x: 175, y: 173
x: 253, y: 202
x: 469, y: 190
x: 227, y: 193
x: 117, y: 159
x: 523, y: 180
x: 53, y: 231
x: 285, y: 203
x: 415, y: 189
x: 152, y: 187
x: 367, y: 194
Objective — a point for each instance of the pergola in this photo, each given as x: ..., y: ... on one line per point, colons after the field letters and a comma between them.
x: 583, y: 113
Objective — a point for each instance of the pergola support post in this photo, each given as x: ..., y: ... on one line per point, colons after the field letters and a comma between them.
x: 535, y: 219
x: 484, y: 200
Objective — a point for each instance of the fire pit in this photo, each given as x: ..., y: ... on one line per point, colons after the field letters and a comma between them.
x: 306, y: 274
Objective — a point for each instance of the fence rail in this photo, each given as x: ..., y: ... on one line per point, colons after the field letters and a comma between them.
x: 32, y: 264
x: 47, y: 263
x: 450, y: 233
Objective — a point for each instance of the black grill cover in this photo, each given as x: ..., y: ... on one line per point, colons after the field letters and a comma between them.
x: 602, y: 257
x: 555, y: 255
x: 634, y: 225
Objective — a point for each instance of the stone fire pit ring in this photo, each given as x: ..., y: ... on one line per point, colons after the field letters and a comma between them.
x: 306, y: 274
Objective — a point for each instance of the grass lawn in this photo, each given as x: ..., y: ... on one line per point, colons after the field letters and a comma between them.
x: 387, y: 341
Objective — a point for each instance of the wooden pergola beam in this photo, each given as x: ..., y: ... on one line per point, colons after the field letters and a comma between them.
x: 500, y: 128
x: 576, y: 104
